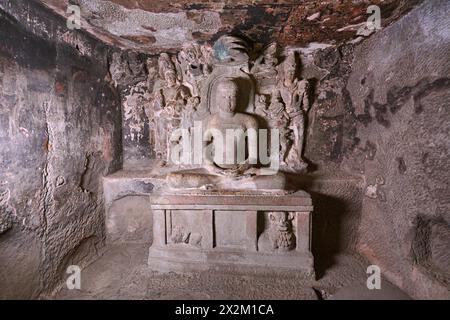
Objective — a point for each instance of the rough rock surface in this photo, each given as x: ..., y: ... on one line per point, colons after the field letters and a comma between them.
x: 60, y: 132
x: 400, y: 94
x: 154, y: 25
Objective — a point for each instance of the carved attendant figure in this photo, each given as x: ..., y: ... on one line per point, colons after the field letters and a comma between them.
x: 279, y: 119
x: 265, y: 68
x: 169, y: 100
x: 295, y: 95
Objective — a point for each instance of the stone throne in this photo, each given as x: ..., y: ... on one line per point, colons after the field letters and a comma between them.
x: 226, y: 203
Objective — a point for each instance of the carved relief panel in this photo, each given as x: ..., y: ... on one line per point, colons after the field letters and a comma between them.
x: 269, y: 89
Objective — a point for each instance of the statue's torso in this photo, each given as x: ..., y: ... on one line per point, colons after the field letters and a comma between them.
x: 231, y: 129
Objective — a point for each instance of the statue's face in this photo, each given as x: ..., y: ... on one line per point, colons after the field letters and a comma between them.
x: 290, y: 75
x: 227, y: 97
x: 281, y: 220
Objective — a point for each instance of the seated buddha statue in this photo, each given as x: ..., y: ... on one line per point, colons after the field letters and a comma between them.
x: 231, y: 157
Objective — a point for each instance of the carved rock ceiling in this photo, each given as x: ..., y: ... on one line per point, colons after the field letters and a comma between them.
x: 160, y: 25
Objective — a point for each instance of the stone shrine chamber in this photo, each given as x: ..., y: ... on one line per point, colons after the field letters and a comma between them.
x: 229, y: 130
x: 224, y: 150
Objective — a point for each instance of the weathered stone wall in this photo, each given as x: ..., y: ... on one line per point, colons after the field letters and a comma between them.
x: 60, y: 131
x: 378, y: 143
x: 400, y: 93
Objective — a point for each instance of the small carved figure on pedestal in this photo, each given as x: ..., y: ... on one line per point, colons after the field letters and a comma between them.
x: 279, y: 235
x: 181, y: 235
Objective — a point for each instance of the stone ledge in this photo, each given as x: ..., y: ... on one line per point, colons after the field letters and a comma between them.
x: 189, y: 260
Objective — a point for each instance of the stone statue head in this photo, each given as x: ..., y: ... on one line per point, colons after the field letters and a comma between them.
x: 226, y: 96
x: 281, y: 221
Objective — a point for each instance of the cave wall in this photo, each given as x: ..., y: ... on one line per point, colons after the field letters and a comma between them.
x: 400, y: 93
x: 60, y: 131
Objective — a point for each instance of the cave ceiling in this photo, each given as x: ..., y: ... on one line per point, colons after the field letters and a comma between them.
x: 152, y: 26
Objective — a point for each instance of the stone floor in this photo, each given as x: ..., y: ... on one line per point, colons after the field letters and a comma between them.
x: 122, y: 273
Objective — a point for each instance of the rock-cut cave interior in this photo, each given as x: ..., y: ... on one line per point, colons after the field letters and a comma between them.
x: 225, y: 150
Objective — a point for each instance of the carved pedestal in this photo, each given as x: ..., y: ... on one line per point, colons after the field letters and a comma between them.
x: 233, y: 231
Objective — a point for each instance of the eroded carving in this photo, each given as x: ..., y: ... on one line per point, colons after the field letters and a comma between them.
x: 279, y: 119
x: 6, y: 211
x: 281, y: 234
x: 268, y: 89
x: 181, y: 235
x: 265, y: 69
x: 295, y: 95
x: 170, y: 97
